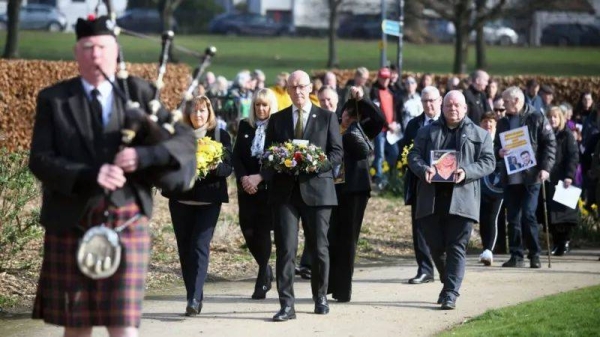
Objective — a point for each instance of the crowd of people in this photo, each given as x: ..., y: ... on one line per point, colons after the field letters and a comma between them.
x: 456, y: 177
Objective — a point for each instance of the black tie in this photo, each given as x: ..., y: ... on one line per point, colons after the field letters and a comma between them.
x: 96, y: 107
x: 429, y: 121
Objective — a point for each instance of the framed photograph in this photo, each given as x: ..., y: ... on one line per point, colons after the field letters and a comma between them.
x: 445, y: 163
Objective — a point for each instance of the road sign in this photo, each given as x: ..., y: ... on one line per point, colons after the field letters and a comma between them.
x: 391, y: 27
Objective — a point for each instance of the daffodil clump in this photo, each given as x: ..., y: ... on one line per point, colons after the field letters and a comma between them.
x: 209, y: 154
x: 294, y: 158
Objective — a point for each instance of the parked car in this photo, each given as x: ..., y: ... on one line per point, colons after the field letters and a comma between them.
x: 360, y: 26
x: 493, y: 32
x: 143, y: 20
x: 38, y: 17
x: 571, y: 34
x: 248, y: 24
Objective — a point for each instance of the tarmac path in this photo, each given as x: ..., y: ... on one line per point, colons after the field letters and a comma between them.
x: 383, y: 304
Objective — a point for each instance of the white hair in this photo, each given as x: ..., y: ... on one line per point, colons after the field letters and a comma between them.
x: 514, y: 92
x: 430, y: 90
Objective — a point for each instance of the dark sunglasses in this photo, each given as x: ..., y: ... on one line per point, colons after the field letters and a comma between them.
x: 499, y: 110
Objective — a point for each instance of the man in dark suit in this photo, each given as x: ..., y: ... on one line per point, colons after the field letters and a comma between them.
x: 307, y: 196
x: 432, y: 106
x: 76, y: 153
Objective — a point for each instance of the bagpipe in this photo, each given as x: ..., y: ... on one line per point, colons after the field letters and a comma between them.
x: 156, y: 125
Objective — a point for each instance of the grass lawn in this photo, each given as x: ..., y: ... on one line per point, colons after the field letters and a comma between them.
x: 574, y: 313
x: 273, y: 55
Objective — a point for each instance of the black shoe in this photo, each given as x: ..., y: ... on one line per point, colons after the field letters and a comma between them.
x: 194, y: 307
x: 422, y: 278
x: 321, y: 305
x: 448, y: 303
x: 305, y: 273
x: 260, y: 288
x: 285, y: 314
x: 513, y: 262
x: 534, y: 262
x: 341, y: 298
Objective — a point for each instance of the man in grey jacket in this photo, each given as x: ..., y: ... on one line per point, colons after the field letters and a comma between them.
x: 446, y: 211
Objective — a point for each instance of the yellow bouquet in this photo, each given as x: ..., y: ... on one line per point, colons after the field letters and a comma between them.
x: 209, y: 154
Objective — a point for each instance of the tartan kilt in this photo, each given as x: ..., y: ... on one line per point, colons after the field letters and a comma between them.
x: 68, y: 298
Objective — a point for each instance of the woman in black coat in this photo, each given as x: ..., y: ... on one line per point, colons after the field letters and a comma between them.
x: 195, y: 213
x: 560, y: 217
x: 353, y: 193
x: 254, y: 212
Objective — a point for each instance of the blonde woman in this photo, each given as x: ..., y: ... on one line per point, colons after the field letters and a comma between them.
x: 254, y: 213
x: 195, y: 213
x: 561, y: 218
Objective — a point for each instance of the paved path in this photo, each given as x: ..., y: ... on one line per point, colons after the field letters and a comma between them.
x: 383, y: 304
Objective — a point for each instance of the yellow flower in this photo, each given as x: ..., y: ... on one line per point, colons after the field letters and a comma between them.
x: 385, y: 167
x: 372, y: 172
x: 594, y: 207
x: 288, y: 163
x: 289, y: 146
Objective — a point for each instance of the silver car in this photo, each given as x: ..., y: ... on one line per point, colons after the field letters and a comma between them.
x: 38, y: 17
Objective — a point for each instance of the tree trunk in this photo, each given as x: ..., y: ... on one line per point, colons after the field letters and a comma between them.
x: 461, y: 47
x: 11, y: 47
x: 480, y: 59
x: 333, y: 59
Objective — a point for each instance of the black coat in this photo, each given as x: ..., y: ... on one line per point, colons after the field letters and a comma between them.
x: 410, y: 180
x: 356, y: 160
x: 213, y: 187
x: 567, y: 158
x: 322, y: 130
x: 64, y: 154
x: 477, y: 104
x: 243, y: 162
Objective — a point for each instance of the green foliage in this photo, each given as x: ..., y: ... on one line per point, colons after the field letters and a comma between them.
x: 18, y: 212
x: 574, y: 313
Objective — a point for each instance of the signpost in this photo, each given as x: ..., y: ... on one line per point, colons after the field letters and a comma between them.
x: 391, y: 27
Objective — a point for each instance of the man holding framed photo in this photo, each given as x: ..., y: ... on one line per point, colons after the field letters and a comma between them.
x: 448, y: 220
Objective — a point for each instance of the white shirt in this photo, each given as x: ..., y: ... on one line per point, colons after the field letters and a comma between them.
x: 427, y: 119
x: 106, y: 97
x: 305, y: 112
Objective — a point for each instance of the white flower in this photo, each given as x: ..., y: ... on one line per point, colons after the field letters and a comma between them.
x: 271, y: 157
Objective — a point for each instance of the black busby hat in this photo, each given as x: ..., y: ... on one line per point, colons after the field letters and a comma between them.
x: 371, y: 118
x: 93, y: 26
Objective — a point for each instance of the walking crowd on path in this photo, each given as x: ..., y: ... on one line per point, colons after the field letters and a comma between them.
x: 305, y: 151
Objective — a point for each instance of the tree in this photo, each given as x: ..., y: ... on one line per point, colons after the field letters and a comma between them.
x: 334, y: 5
x: 466, y: 17
x: 11, y: 47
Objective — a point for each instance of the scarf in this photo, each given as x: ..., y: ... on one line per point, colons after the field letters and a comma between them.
x: 258, y: 143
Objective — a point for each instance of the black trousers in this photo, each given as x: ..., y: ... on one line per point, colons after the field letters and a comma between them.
x: 346, y: 222
x: 422, y: 253
x: 256, y: 223
x: 194, y: 228
x: 315, y: 221
x: 488, y: 221
x: 448, y: 234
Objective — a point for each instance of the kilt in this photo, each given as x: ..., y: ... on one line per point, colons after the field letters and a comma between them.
x: 68, y: 298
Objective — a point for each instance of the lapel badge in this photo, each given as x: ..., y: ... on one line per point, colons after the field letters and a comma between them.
x: 246, y: 136
x: 314, y: 115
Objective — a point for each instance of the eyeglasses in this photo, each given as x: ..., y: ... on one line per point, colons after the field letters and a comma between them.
x: 299, y: 86
x: 499, y: 109
x: 431, y: 100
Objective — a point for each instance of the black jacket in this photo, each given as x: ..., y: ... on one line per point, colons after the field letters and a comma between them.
x: 410, y: 180
x: 64, y: 154
x: 542, y: 140
x: 243, y: 162
x: 477, y: 104
x: 322, y: 130
x: 213, y: 187
x: 356, y: 160
x: 567, y: 158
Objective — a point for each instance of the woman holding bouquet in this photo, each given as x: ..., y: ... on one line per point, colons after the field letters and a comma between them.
x: 195, y: 213
x: 255, y: 215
